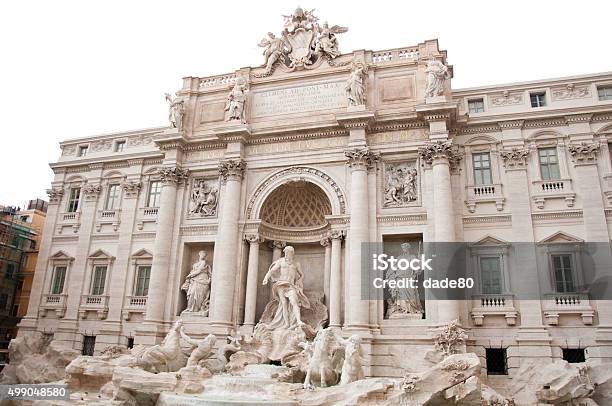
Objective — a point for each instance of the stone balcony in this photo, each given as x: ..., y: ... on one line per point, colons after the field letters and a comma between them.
x: 557, y: 304
x: 68, y: 220
x: 484, y: 194
x: 494, y: 305
x: 94, y: 303
x: 553, y: 189
x: 110, y: 217
x: 55, y: 303
x: 134, y: 304
x: 146, y: 215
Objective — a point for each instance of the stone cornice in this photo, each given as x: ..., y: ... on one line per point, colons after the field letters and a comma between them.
x: 356, y: 119
x: 511, y: 124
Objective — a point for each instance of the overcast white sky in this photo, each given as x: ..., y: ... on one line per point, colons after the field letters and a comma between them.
x: 78, y: 68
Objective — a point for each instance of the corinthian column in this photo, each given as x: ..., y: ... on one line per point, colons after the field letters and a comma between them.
x: 226, y: 243
x: 252, y: 272
x: 360, y: 160
x: 335, y: 282
x: 441, y: 155
x: 171, y: 178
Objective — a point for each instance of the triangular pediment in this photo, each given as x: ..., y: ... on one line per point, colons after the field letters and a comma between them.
x: 142, y: 253
x: 561, y: 238
x: 100, y: 254
x: 61, y: 255
x: 490, y: 241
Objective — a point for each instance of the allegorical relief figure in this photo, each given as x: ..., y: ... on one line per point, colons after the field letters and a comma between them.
x: 176, y: 111
x: 288, y: 290
x: 327, y: 44
x: 197, y: 286
x: 204, y: 198
x: 236, y: 101
x: 437, y: 74
x: 405, y: 302
x: 400, y: 185
x: 355, y: 85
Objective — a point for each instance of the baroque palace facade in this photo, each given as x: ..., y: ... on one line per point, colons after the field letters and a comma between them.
x: 325, y: 151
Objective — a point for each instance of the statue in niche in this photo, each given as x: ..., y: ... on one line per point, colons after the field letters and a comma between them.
x: 288, y: 290
x: 236, y: 101
x: 400, y: 186
x: 203, y: 199
x: 176, y: 111
x: 437, y: 74
x: 197, y: 286
x: 274, y: 50
x: 404, y: 302
x: 327, y: 44
x: 355, y: 85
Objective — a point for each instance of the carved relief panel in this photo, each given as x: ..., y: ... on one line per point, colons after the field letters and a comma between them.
x: 401, y: 184
x: 204, y: 197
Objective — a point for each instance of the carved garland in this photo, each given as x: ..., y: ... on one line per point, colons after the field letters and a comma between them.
x: 298, y: 170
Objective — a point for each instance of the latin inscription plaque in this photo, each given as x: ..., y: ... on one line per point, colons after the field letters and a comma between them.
x: 322, y: 96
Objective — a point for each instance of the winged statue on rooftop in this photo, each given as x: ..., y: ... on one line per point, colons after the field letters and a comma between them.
x: 303, y: 43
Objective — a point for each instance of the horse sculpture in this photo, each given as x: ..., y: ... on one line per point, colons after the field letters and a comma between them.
x: 322, y: 370
x: 167, y: 356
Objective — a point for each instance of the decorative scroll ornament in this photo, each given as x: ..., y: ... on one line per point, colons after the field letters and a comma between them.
x: 204, y: 198
x: 303, y: 42
x: 176, y: 111
x: 360, y: 158
x: 440, y: 150
x: 55, y: 195
x: 584, y: 152
x: 515, y: 157
x: 131, y: 188
x: 400, y: 185
x: 173, y: 174
x: 232, y: 169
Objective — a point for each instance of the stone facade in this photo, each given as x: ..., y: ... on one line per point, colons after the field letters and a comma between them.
x: 324, y: 152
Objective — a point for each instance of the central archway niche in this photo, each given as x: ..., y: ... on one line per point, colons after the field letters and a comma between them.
x: 295, y: 212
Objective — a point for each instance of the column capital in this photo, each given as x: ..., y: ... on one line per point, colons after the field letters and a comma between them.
x: 173, y: 174
x: 131, y: 188
x: 253, y: 238
x: 278, y: 244
x: 336, y: 235
x: 91, y: 191
x: 440, y: 150
x: 515, y: 158
x: 584, y: 152
x: 361, y: 158
x: 55, y: 195
x: 232, y: 169
x: 325, y: 241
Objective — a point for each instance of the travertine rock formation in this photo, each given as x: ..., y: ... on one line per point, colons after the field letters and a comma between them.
x: 36, y: 359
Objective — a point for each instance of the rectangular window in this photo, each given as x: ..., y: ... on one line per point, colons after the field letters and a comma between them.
x: 143, y: 274
x: 99, y: 279
x: 112, y: 197
x: 604, y: 93
x: 130, y: 342
x: 490, y: 275
x: 59, y: 276
x: 476, y: 106
x: 154, y: 194
x: 73, y: 199
x: 538, y: 99
x: 574, y: 355
x: 119, y: 146
x: 3, y: 301
x: 82, y: 150
x: 89, y: 344
x: 482, y: 168
x: 496, y: 361
x: 549, y: 163
x: 10, y: 271
x: 562, y: 270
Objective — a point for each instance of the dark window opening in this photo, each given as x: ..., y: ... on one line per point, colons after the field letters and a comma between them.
x: 89, y: 343
x: 496, y: 361
x: 130, y: 343
x: 574, y: 355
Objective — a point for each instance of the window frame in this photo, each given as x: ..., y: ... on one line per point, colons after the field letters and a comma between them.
x: 607, y: 90
x: 54, y: 276
x: 499, y: 250
x: 95, y: 283
x: 116, y: 198
x: 573, y: 248
x: 482, y: 170
x: 82, y: 150
x: 478, y: 109
x: 541, y: 165
x: 537, y: 95
x: 135, y: 291
x: 60, y: 258
x: 118, y: 143
x: 71, y: 199
x: 572, y: 269
x: 149, y: 193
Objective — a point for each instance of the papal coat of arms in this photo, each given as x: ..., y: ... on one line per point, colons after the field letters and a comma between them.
x: 302, y: 43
